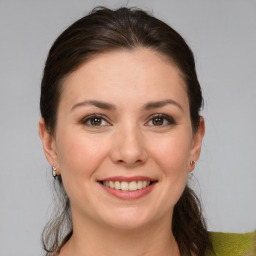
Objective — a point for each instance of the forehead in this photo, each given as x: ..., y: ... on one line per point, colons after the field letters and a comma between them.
x: 141, y: 72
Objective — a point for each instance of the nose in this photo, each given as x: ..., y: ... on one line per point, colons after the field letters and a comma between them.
x: 128, y: 147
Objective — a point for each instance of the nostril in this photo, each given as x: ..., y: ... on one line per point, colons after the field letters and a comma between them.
x: 130, y: 162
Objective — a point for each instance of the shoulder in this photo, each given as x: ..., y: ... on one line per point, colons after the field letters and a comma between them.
x: 233, y: 244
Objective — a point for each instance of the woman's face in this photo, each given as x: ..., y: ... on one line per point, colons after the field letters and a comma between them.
x: 123, y: 141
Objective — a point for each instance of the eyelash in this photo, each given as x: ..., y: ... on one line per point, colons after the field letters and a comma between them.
x: 92, y: 117
x: 163, y: 117
x: 168, y: 119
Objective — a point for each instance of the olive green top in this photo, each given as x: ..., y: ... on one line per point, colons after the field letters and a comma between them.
x: 232, y: 244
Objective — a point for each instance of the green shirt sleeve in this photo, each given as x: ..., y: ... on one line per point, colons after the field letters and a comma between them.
x: 233, y: 244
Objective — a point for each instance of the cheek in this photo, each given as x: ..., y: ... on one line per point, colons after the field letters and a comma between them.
x: 79, y: 157
x: 79, y: 154
x: 172, y: 153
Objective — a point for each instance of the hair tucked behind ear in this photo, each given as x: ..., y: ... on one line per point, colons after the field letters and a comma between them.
x: 105, y: 30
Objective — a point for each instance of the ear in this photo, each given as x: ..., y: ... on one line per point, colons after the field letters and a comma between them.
x: 196, y: 144
x: 49, y: 145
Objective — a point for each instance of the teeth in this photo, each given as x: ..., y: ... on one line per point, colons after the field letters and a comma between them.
x: 111, y: 184
x: 139, y: 184
x: 124, y: 185
x: 127, y: 186
x: 133, y: 186
x: 117, y: 185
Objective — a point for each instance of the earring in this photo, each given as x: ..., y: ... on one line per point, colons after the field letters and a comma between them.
x: 192, y: 163
x: 54, y: 174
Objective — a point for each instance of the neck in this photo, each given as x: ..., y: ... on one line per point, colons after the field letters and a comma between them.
x: 90, y: 238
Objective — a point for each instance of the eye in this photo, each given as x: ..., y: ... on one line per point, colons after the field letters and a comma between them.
x: 95, y: 121
x: 160, y: 120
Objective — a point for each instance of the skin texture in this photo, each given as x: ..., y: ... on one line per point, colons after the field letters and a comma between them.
x: 128, y: 142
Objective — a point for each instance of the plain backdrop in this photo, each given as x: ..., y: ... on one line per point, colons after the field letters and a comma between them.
x: 222, y: 35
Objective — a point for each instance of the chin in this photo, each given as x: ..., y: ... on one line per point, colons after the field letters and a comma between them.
x: 129, y: 219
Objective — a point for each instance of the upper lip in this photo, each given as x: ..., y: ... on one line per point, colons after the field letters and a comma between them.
x: 128, y: 179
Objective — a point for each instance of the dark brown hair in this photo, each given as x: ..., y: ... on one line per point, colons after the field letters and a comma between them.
x: 105, y: 30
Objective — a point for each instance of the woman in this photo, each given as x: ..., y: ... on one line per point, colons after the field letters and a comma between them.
x: 121, y: 128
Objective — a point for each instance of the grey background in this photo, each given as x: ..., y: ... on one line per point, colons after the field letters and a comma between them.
x: 222, y: 35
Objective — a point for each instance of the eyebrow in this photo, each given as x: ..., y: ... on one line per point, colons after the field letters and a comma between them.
x: 96, y: 103
x: 162, y: 103
x: 108, y: 106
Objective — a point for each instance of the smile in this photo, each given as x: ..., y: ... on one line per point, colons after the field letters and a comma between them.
x: 127, y: 186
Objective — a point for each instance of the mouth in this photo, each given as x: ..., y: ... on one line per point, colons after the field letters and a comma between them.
x: 128, y: 188
x: 126, y: 185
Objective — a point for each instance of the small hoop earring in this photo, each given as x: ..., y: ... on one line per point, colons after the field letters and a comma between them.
x: 192, y: 163
x: 54, y: 174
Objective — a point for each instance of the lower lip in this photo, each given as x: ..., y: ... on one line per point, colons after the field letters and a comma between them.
x: 129, y: 195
